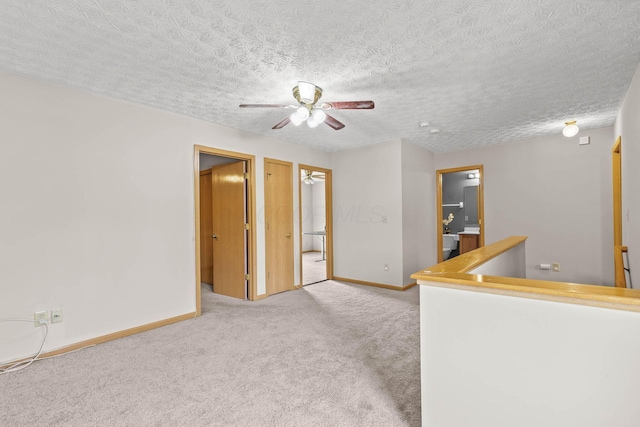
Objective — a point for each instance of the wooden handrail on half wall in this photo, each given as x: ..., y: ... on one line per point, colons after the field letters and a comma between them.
x: 459, y: 272
x: 513, y: 351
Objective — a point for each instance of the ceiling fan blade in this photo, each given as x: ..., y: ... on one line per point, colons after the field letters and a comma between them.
x: 332, y: 122
x: 282, y: 123
x: 267, y: 106
x: 348, y: 105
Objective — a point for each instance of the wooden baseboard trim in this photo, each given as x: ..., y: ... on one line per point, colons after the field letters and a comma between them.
x: 110, y: 337
x: 377, y: 285
x: 311, y: 250
x: 259, y: 297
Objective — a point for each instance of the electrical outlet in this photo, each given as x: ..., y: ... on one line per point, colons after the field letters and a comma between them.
x: 56, y: 315
x: 555, y: 267
x: 386, y: 267
x: 38, y: 316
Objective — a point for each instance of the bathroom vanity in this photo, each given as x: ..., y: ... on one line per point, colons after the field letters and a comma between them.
x: 468, y: 241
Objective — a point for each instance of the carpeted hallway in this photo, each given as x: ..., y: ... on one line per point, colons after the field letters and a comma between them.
x: 331, y: 354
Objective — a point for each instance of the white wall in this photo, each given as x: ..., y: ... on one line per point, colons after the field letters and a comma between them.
x: 313, y: 214
x: 555, y: 192
x: 319, y: 212
x: 508, y: 264
x: 418, y: 210
x: 500, y: 361
x: 393, y: 180
x: 98, y: 210
x: 628, y: 126
x: 307, y: 216
x: 366, y: 187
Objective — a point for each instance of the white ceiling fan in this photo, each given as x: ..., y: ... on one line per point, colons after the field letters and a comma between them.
x: 309, y: 110
x: 311, y: 177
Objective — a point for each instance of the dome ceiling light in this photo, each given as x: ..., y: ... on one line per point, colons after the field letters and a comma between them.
x: 570, y: 129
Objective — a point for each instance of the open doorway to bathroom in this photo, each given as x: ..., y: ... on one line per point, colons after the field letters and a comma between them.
x: 460, y: 210
x: 315, y: 209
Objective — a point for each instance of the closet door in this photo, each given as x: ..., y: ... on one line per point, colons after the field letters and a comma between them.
x: 278, y: 207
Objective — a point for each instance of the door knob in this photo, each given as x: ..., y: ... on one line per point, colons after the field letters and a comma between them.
x: 287, y: 235
x: 215, y: 236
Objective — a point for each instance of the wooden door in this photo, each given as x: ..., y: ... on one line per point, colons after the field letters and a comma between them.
x: 228, y: 232
x: 278, y: 204
x: 206, y: 228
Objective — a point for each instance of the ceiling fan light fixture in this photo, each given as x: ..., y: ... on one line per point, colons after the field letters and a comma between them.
x: 570, y: 129
x: 317, y: 117
x: 302, y: 113
x: 307, y: 92
x: 295, y: 119
x: 308, y: 180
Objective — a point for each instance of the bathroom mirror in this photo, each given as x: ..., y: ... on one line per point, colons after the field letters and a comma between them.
x: 470, y: 205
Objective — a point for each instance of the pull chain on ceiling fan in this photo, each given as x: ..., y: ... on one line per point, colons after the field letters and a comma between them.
x: 308, y: 95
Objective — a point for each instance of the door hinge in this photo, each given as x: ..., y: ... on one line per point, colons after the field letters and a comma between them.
x: 246, y: 175
x: 247, y: 277
x: 246, y: 226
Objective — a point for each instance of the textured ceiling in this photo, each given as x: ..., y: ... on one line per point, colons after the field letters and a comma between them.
x: 482, y: 72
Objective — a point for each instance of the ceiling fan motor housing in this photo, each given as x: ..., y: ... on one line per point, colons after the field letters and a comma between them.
x: 307, y: 93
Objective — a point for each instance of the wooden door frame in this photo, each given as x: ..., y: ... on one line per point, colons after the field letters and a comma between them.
x: 265, y: 179
x: 616, y: 169
x: 209, y: 230
x: 328, y: 213
x: 251, y: 212
x: 439, y: 174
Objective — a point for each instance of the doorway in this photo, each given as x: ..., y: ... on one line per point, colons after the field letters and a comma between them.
x: 224, y: 223
x: 460, y: 210
x: 316, y: 225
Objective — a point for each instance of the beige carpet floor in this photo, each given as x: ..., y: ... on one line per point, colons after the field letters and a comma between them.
x: 314, y: 269
x: 330, y: 354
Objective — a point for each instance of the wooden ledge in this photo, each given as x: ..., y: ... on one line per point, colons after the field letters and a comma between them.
x: 452, y: 274
x: 470, y: 260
